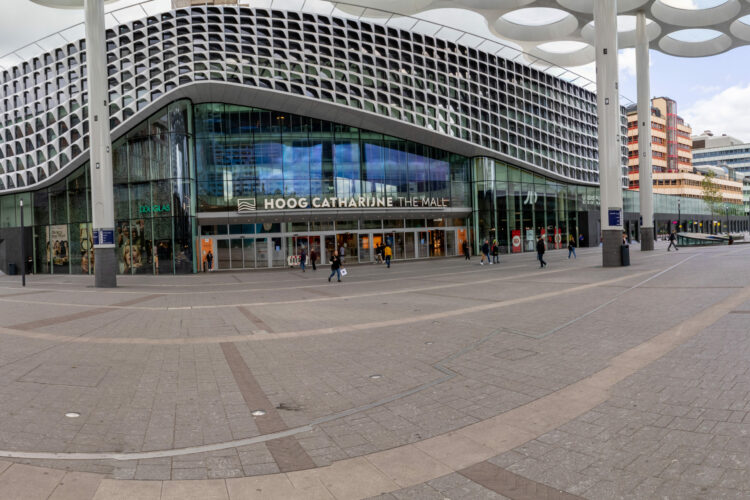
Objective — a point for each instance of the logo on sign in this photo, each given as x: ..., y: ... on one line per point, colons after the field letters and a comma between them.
x: 245, y: 205
x: 531, y: 198
x: 152, y: 209
x: 516, y: 241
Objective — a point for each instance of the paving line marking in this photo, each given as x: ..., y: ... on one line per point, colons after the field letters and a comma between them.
x: 317, y: 331
x: 531, y: 419
x: 612, y: 300
x: 295, y: 301
x: 351, y: 281
x: 254, y: 395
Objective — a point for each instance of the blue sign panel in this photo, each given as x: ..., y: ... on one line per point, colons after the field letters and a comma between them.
x: 615, y: 217
x: 106, y: 236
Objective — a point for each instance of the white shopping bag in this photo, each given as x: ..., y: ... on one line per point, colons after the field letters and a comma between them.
x: 343, y: 271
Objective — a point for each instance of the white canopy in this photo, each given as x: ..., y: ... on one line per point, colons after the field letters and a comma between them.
x: 672, y: 28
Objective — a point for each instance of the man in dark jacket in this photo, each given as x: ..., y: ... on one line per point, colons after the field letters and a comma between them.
x: 540, y: 248
x: 672, y: 242
x: 313, y: 258
x: 485, y: 252
x: 465, y: 248
x: 335, y: 266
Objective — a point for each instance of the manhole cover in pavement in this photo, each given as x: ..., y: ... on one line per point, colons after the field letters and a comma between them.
x: 515, y: 354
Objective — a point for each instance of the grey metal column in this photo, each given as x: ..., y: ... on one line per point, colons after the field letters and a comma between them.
x: 100, y: 147
x: 646, y: 188
x: 609, y: 130
x: 102, y: 192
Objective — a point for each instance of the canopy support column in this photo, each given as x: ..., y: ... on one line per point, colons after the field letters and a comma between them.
x: 645, y: 175
x: 609, y: 130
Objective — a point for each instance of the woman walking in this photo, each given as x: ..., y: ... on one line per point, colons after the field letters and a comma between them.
x: 572, y: 247
x: 335, y: 266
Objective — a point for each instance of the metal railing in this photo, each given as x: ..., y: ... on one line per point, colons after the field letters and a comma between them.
x: 396, y: 20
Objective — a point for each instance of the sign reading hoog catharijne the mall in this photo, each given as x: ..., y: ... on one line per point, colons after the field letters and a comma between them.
x: 245, y: 205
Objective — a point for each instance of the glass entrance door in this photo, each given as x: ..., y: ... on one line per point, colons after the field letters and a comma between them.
x: 222, y: 255
x: 262, y: 253
x: 437, y: 243
x: 423, y: 249
x: 329, y: 248
x: 235, y: 252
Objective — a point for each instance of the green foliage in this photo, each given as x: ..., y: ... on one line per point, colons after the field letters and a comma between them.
x: 711, y: 192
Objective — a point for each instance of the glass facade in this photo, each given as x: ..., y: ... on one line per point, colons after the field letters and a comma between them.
x: 515, y: 207
x: 258, y: 155
x: 180, y: 175
x: 154, y: 174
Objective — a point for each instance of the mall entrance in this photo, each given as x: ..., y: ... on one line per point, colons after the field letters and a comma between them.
x: 250, y: 250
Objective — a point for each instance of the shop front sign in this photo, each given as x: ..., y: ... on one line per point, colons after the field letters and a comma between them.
x: 245, y: 205
x: 154, y: 209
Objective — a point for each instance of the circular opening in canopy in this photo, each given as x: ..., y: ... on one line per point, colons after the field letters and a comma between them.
x: 535, y: 16
x: 695, y: 35
x: 562, y: 47
x: 694, y: 4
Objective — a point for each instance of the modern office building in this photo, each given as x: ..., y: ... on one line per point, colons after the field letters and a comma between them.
x: 250, y: 133
x: 722, y: 150
x: 672, y: 156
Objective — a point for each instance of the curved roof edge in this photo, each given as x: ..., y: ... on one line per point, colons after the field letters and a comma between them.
x: 237, y: 94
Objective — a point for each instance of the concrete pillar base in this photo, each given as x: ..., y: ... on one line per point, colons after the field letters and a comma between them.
x: 105, y: 268
x: 612, y: 241
x: 647, y: 239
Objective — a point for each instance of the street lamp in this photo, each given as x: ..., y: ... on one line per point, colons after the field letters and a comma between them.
x: 726, y: 209
x: 23, y: 249
x: 100, y: 157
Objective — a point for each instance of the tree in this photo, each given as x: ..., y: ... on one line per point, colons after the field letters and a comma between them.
x: 711, y: 192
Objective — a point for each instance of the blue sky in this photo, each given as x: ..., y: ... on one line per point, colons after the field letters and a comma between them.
x: 711, y: 93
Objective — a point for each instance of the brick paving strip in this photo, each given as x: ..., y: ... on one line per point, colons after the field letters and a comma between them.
x: 512, y: 485
x: 19, y: 294
x: 286, y: 451
x: 254, y: 319
x: 41, y: 323
x: 412, y: 464
x: 349, y: 328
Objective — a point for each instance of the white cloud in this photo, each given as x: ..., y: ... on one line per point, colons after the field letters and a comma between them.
x: 683, y: 4
x: 722, y: 113
x: 626, y: 61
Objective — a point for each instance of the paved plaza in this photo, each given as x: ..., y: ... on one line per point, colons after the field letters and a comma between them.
x: 430, y: 380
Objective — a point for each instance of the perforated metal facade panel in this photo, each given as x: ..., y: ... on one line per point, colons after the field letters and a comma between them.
x: 439, y: 87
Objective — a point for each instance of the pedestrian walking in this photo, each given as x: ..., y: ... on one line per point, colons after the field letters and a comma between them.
x: 465, y: 248
x: 495, y: 252
x: 379, y: 251
x: 540, y: 248
x: 672, y: 241
x: 313, y: 258
x: 388, y: 254
x: 572, y: 247
x: 335, y: 266
x: 485, y: 253
x: 302, y: 259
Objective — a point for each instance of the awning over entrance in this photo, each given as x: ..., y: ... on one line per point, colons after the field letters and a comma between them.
x: 330, y: 214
